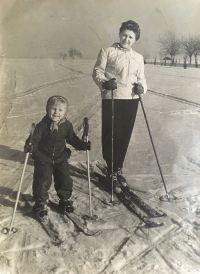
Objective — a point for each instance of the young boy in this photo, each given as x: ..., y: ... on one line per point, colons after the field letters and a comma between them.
x: 51, y: 155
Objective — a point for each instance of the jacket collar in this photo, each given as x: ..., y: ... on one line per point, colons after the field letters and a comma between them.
x: 53, y: 125
x: 118, y: 46
x: 132, y: 53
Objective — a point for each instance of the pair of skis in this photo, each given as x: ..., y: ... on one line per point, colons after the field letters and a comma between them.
x: 76, y: 219
x: 47, y: 224
x: 138, y: 207
x: 133, y: 203
x: 127, y: 197
x: 44, y: 221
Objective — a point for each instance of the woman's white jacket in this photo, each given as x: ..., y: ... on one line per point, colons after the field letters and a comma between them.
x: 126, y: 66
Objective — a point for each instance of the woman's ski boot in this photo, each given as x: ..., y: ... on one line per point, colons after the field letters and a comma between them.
x: 66, y: 206
x: 116, y: 184
x: 121, y: 179
x: 39, y: 209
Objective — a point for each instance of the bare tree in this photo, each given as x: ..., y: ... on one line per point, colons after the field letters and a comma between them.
x: 71, y: 53
x: 197, y: 51
x: 161, y: 58
x: 80, y: 55
x: 185, y: 61
x: 196, y: 60
x: 169, y: 44
x: 74, y: 52
x: 154, y: 61
x: 191, y: 46
x: 63, y: 55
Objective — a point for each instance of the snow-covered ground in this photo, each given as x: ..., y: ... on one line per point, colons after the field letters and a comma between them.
x: 123, y: 244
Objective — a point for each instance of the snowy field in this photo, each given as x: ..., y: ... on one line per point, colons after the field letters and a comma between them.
x: 124, y: 245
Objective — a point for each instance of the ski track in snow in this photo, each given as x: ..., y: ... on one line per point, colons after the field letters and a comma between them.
x: 123, y: 245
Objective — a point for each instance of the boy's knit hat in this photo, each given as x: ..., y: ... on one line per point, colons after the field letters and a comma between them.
x: 56, y: 98
x: 52, y: 100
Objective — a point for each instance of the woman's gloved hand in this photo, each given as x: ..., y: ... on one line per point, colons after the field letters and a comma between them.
x: 110, y: 85
x: 138, y: 89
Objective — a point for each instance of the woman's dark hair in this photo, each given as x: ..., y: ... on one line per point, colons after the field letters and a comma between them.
x: 131, y: 25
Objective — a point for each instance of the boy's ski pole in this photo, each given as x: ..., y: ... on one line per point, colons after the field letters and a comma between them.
x: 85, y: 137
x: 11, y: 228
x: 167, y: 194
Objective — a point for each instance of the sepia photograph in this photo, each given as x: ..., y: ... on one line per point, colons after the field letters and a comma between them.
x: 99, y: 137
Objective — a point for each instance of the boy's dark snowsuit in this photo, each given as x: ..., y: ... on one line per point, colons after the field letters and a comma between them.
x: 50, y: 156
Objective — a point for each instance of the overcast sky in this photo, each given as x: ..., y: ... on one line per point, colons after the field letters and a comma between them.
x: 44, y: 28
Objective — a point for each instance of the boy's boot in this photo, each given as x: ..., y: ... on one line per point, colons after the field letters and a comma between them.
x: 39, y: 209
x: 66, y: 206
x: 116, y: 184
x: 121, y: 179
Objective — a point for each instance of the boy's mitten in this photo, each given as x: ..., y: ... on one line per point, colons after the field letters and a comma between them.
x: 138, y: 89
x: 110, y: 85
x: 28, y: 147
x: 68, y: 152
x: 87, y: 145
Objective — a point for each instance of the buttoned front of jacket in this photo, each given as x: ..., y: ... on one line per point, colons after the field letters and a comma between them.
x: 50, y: 146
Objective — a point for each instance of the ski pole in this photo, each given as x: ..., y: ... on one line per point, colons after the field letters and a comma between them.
x: 11, y: 228
x: 153, y: 146
x: 112, y: 149
x: 85, y: 136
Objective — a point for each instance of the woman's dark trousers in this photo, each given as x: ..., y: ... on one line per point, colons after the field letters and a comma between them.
x: 124, y: 118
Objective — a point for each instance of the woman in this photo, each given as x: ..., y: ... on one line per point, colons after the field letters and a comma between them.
x: 119, y: 74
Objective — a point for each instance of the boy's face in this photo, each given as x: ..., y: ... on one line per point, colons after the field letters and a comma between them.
x: 57, y: 111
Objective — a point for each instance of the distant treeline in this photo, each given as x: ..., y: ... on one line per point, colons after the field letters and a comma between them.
x: 72, y: 53
x: 175, y: 50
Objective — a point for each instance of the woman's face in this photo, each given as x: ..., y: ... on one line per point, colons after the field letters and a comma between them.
x: 127, y: 38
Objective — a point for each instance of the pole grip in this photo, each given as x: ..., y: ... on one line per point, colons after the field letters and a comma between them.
x: 85, y: 128
x: 31, y: 133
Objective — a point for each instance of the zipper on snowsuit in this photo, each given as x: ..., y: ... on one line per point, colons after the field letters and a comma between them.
x: 54, y: 148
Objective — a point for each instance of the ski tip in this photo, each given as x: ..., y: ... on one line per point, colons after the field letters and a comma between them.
x: 88, y: 232
x: 90, y: 218
x: 153, y: 225
x: 157, y: 215
x: 57, y: 241
x: 93, y: 233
